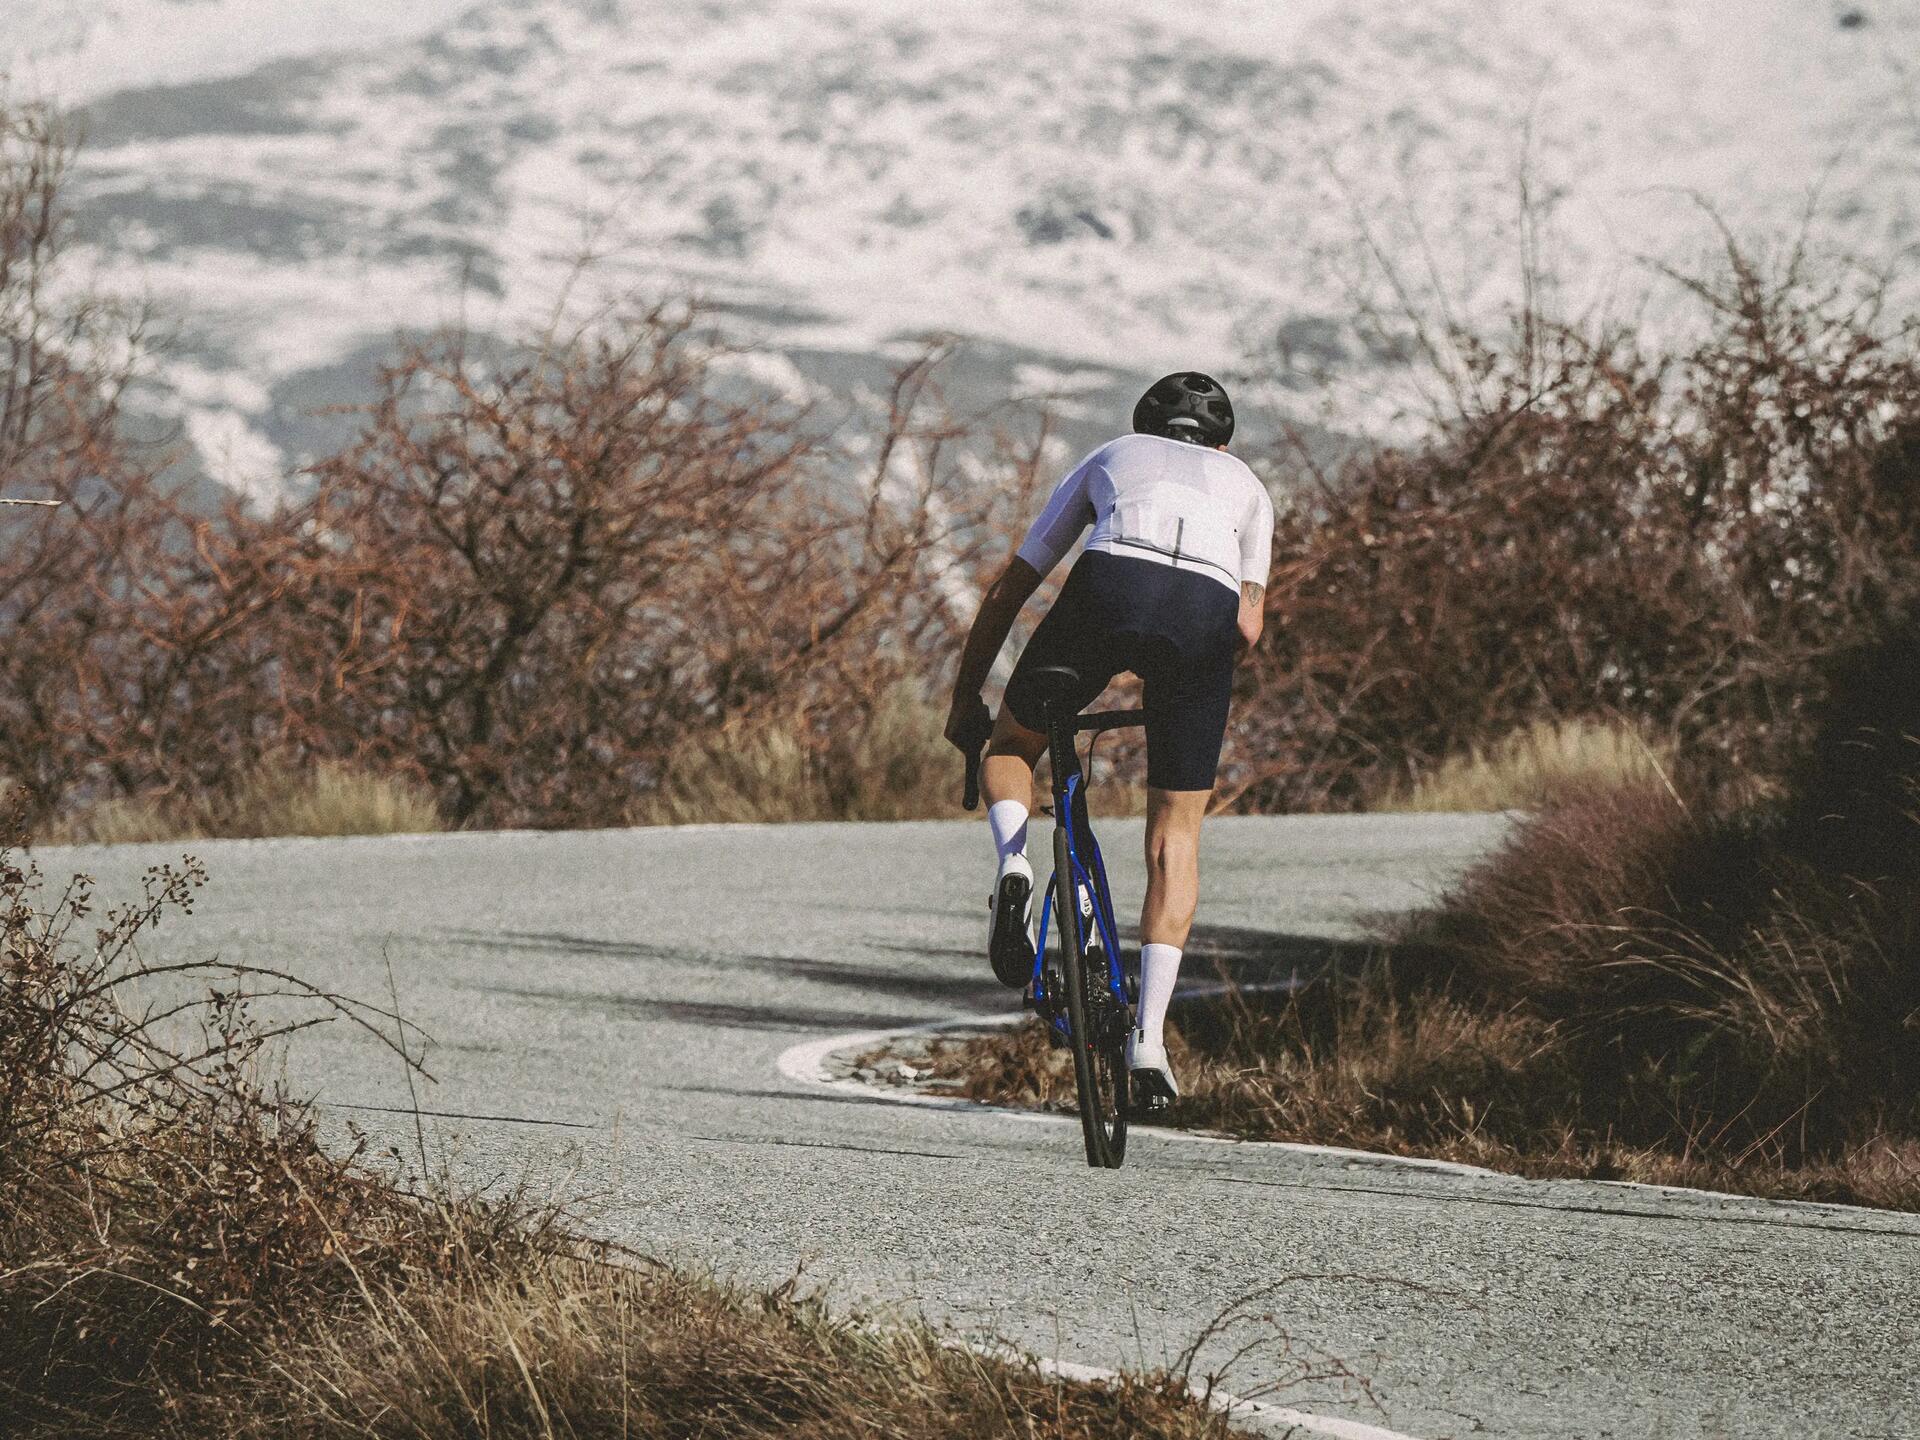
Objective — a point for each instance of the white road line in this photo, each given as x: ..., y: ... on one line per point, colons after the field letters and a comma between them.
x: 1263, y: 1418
x: 806, y: 1063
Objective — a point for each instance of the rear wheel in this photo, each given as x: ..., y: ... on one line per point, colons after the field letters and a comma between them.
x: 1098, y: 1044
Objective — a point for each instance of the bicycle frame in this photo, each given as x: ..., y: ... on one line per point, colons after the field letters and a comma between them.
x: 1091, y: 1020
x: 1083, y: 852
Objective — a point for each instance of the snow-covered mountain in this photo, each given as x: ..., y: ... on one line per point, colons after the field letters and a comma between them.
x: 1096, y: 190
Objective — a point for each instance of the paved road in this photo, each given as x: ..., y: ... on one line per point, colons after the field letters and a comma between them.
x: 622, y: 999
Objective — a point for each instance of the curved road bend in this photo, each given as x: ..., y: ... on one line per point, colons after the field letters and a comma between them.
x: 618, y: 1002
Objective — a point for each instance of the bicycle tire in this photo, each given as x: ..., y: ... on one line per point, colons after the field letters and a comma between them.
x: 1103, y: 1120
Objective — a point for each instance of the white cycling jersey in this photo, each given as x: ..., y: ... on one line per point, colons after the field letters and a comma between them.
x: 1162, y: 500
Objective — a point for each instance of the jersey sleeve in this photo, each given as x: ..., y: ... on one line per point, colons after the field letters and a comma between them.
x: 1069, y: 511
x: 1256, y: 539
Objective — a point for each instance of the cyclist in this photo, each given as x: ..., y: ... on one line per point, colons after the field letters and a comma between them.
x: 1169, y: 587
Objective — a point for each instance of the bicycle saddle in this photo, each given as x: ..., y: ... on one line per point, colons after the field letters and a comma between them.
x: 1053, y: 683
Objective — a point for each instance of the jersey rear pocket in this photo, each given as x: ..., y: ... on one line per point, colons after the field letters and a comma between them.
x: 1181, y: 523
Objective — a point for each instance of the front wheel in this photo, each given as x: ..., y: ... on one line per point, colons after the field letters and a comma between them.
x: 1099, y: 1056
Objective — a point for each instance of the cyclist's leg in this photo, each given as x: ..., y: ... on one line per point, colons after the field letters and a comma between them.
x: 1007, y: 771
x: 1173, y: 894
x: 1189, y: 688
x: 1173, y: 865
x: 1006, y: 778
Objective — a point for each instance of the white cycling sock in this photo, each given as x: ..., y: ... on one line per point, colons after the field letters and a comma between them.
x: 1159, y: 969
x: 1008, y: 821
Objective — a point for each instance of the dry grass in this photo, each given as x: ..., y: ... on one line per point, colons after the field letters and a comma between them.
x: 1531, y: 766
x: 329, y: 799
x: 181, y: 1257
x: 272, y: 799
x: 1356, y: 1065
x: 894, y: 764
x: 569, y: 1346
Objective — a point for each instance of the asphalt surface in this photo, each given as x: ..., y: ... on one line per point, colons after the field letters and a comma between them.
x: 617, y: 1004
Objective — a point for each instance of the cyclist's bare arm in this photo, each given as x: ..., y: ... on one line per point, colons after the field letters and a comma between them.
x: 998, y: 610
x: 1253, y: 614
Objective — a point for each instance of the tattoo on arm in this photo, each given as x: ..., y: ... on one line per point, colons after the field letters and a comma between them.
x: 1252, y: 618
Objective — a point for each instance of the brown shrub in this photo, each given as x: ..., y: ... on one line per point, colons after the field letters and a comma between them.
x: 523, y: 584
x: 1749, y: 972
x: 535, y: 587
x: 1738, y: 982
x: 66, y: 575
x: 162, y: 1209
x: 1597, y: 530
x: 1362, y: 1063
x: 536, y: 577
x: 578, y: 1347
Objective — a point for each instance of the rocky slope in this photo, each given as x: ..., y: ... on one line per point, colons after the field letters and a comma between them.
x: 1093, y: 190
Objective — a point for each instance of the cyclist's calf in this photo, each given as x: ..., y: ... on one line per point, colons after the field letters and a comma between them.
x: 1173, y: 865
x: 1007, y: 771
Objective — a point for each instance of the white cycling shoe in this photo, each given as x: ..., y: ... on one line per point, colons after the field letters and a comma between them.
x: 1154, y: 1087
x: 1010, y: 923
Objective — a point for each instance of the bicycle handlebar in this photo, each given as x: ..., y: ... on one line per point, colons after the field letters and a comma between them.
x: 1110, y: 720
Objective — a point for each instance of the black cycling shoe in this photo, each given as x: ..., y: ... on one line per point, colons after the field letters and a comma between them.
x: 1154, y: 1088
x: 1010, y: 942
x: 1150, y: 1093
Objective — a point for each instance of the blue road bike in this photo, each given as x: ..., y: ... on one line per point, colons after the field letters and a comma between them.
x: 1085, y: 990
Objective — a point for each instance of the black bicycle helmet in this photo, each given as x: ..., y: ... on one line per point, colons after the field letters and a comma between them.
x: 1186, y: 406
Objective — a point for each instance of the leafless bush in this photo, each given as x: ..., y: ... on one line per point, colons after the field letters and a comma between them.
x: 529, y: 590
x: 539, y: 580
x: 532, y: 586
x: 66, y: 359
x: 1596, y: 530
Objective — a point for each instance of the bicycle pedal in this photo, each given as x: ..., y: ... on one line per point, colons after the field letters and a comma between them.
x: 1150, y: 1094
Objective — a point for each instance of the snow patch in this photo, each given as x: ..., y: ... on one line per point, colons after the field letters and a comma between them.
x: 74, y: 50
x: 1084, y: 181
x: 237, y: 455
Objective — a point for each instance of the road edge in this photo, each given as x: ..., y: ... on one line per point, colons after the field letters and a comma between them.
x: 805, y: 1063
